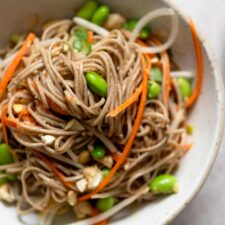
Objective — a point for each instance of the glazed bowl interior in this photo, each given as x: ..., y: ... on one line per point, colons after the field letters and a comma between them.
x: 206, y: 116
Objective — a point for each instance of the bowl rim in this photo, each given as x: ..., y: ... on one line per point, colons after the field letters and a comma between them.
x: 220, y: 94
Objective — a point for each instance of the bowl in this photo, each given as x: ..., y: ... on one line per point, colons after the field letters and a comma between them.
x: 207, y: 116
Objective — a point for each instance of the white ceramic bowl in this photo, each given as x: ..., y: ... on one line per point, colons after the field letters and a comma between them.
x: 207, y: 116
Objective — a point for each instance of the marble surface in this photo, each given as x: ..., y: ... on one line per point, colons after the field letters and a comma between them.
x: 209, y: 205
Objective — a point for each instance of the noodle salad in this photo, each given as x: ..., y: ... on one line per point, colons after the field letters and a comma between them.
x: 93, y: 115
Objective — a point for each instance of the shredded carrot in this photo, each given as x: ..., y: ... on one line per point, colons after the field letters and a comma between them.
x: 10, y: 122
x: 6, y: 121
x: 95, y: 212
x: 23, y: 112
x: 198, y: 51
x: 25, y: 116
x: 90, y: 37
x: 104, y: 222
x: 116, y: 157
x: 127, y: 103
x: 143, y: 44
x: 55, y: 107
x: 166, y: 77
x: 134, y: 98
x: 13, y: 66
x: 131, y: 139
x: 3, y: 120
x: 55, y: 171
x: 29, y: 119
x: 187, y: 147
x: 52, y: 104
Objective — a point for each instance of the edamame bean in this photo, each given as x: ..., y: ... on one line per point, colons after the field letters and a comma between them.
x: 86, y: 49
x: 153, y: 89
x: 145, y: 33
x: 77, y: 45
x: 100, y: 15
x: 15, y: 38
x: 87, y: 11
x: 5, y: 154
x: 3, y: 180
x: 131, y: 24
x: 96, y: 83
x: 81, y: 33
x: 99, y: 151
x: 6, y: 158
x: 185, y: 87
x: 105, y: 204
x: 82, y: 46
x: 81, y: 43
x: 105, y: 172
x: 164, y: 184
x: 156, y: 74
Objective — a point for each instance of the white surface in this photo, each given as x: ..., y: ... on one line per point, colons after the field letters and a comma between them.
x: 209, y: 206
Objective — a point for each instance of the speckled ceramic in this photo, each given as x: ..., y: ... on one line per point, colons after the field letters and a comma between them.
x: 207, y: 116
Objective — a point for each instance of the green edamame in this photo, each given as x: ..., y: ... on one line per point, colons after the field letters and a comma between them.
x: 99, y: 151
x: 87, y: 11
x: 131, y: 24
x: 105, y: 172
x: 15, y: 38
x: 100, y: 15
x: 3, y: 180
x: 153, y: 89
x: 185, y: 87
x: 145, y: 33
x: 5, y: 154
x: 156, y: 74
x: 81, y: 43
x: 105, y: 204
x: 81, y: 33
x: 82, y: 46
x: 6, y: 158
x: 164, y: 184
x: 78, y: 45
x: 96, y: 83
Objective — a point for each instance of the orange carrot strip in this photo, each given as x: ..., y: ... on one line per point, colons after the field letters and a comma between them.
x: 55, y: 107
x: 52, y: 104
x: 25, y: 116
x: 166, y: 77
x: 10, y: 122
x: 90, y: 36
x: 95, y: 213
x: 199, y: 57
x: 116, y: 156
x: 131, y: 139
x: 187, y: 147
x: 29, y: 119
x: 104, y: 222
x: 143, y: 44
x: 23, y: 112
x: 56, y: 171
x: 3, y: 119
x: 127, y: 103
x: 13, y: 66
x: 135, y: 96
